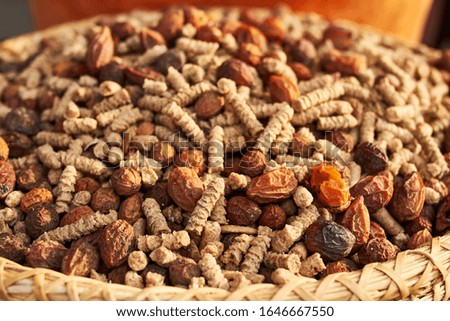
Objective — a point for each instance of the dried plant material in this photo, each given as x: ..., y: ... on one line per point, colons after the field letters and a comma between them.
x: 13, y: 199
x: 300, y: 250
x: 137, y: 261
x: 120, y: 98
x: 337, y: 122
x: 265, y: 110
x: 189, y: 95
x: 172, y: 241
x: 321, y: 81
x: 257, y: 251
x: 127, y: 118
x: 397, y: 114
x: 193, y: 73
x: 176, y: 80
x: 81, y: 198
x: 108, y: 117
x: 437, y: 166
x: 134, y: 280
x: 302, y: 197
x: 403, y: 134
x: 387, y: 221
x: 211, y: 233
x: 9, y: 215
x: 154, y: 279
x: 57, y: 140
x: 312, y: 265
x: 156, y: 222
x: 197, y: 47
x: 216, y: 150
x: 219, y: 212
x: 80, y: 125
x: 232, y: 257
x: 48, y: 156
x: 237, y: 181
x: 276, y: 123
x: 357, y: 91
x: 154, y: 87
x: 65, y: 189
x: 289, y: 262
x: 339, y: 107
x: 277, y: 67
x: 318, y: 96
x: 367, y: 129
x: 212, y: 272
x: 432, y: 196
x: 163, y: 256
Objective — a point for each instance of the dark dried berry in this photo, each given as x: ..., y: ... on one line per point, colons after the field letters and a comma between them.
x: 250, y: 34
x: 331, y: 240
x: 185, y: 187
x: 23, y: 120
x: 75, y: 214
x: 171, y: 23
x: 30, y: 177
x: 377, y: 250
x: 46, y: 254
x: 7, y: 179
x: 341, y: 37
x: 242, y: 211
x: 117, y: 275
x: 418, y: 239
x: 69, y: 69
x: 192, y: 158
x: 371, y: 158
x: 209, y: 34
x: 376, y: 230
x: 37, y: 196
x: 160, y: 194
x: 273, y: 28
x: 104, y: 200
x: 249, y: 53
x: 195, y: 16
x: 137, y: 75
x: 273, y: 216
x: 443, y: 216
x: 377, y: 190
x: 236, y: 70
x: 100, y: 50
x: 12, y: 247
x: 112, y: 71
x: 408, y: 199
x: 117, y: 241
x: 87, y: 184
x: 172, y: 58
x: 18, y: 143
x: 181, y: 272
x: 130, y: 209
x: 80, y: 259
x: 301, y: 71
x: 282, y: 89
x: 253, y: 163
x: 40, y: 219
x: 341, y: 139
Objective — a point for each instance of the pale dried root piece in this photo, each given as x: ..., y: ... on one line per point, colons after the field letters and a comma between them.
x: 403, y: 134
x: 133, y: 279
x: 127, y: 118
x: 283, y: 276
x: 154, y: 279
x: 189, y: 95
x: 236, y: 280
x: 81, y: 198
x: 65, y: 188
x: 216, y: 151
x: 322, y: 81
x: 211, y: 233
x: 289, y: 262
x: 173, y: 213
x: 9, y: 215
x: 13, y: 199
x: 401, y: 240
x: 302, y: 197
x: 176, y: 79
x: 80, y: 125
x: 120, y: 98
x: 151, y: 55
x: 312, y: 265
x: 156, y: 222
x: 283, y: 140
x: 357, y: 91
x: 24, y: 161
x: 98, y: 276
x: 399, y: 158
x: 232, y: 257
x: 338, y: 107
x: 277, y: 67
x: 262, y: 109
x: 432, y: 196
x: 226, y: 118
x: 172, y: 241
x: 140, y: 229
x: 437, y: 166
x: 237, y: 181
x: 154, y: 87
x: 318, y: 96
x: 219, y: 212
x: 336, y: 122
x: 193, y: 73
x: 389, y: 93
x: 386, y: 62
x: 205, y: 205
x: 387, y: 222
x: 367, y: 128
x: 108, y: 88
x: 300, y: 250
x: 137, y: 261
x: 83, y: 226
x: 331, y: 152
x: 257, y: 251
x: 57, y: 140
x: 106, y: 118
x: 197, y: 282
x: 397, y: 114
x: 153, y: 103
x: 212, y: 273
x: 72, y: 111
x: 4, y: 227
x: 163, y: 256
x: 83, y: 164
x: 276, y: 124
x: 197, y: 47
x: 60, y: 106
x: 48, y: 156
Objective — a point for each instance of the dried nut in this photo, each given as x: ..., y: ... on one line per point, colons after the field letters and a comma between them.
x: 185, y: 187
x: 273, y: 216
x: 160, y: 194
x: 181, y: 271
x: 130, y: 209
x: 346, y: 64
x: 7, y: 179
x: 22, y: 120
x: 209, y: 104
x: 137, y: 75
x: 273, y: 28
x: 113, y: 72
x: 12, y: 247
x: 19, y: 144
x: 172, y: 58
x: 371, y: 158
x: 150, y: 38
x: 76, y: 214
x: 418, y: 224
x: 192, y: 159
x: 272, y: 186
x: 209, y: 34
x: 249, y: 53
x: 282, y: 89
x: 4, y: 150
x: 357, y: 220
x: 87, y: 184
x: 37, y: 196
x: 40, y: 219
x: 30, y: 177
x: 116, y: 242
x: 341, y: 139
x: 163, y: 153
x: 69, y: 69
x: 376, y: 230
x: 341, y: 37
x: 195, y: 16
x: 46, y: 254
x: 100, y: 50
x: 331, y: 240
x: 249, y: 34
x: 304, y: 51
x: 418, y: 239
x: 377, y: 250
x: 171, y: 23
x: 443, y: 216
x: 376, y: 190
x: 117, y: 275
x: 236, y: 70
x: 104, y: 200
x: 242, y: 211
x: 122, y: 30
x: 252, y: 163
x: 80, y: 259
x: 300, y: 70
x: 408, y: 199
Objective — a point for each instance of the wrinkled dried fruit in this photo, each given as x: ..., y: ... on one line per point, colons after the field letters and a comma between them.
x: 122, y: 29
x: 116, y: 243
x: 377, y: 250
x: 443, y: 216
x: 302, y: 145
x: 376, y: 230
x: 341, y: 37
x: 301, y: 71
x: 76, y: 214
x: 252, y: 163
x: 4, y: 150
x: 250, y: 34
x: 69, y: 69
x: 371, y: 158
x: 12, y: 247
x: 185, y: 187
x: 242, y: 211
x: 181, y: 272
x: 192, y: 158
x: 209, y: 34
x: 331, y: 240
x: 40, y: 219
x: 145, y: 128
x: 341, y: 139
x: 46, y: 254
x: 30, y: 177
x: 344, y: 265
x: 7, y: 179
x: 172, y: 58
x: 209, y: 104
x: 273, y: 186
x: 160, y: 194
x: 418, y: 224
x: 171, y: 23
x: 86, y: 184
x: 113, y: 72
x: 408, y: 199
x: 357, y: 220
x: 249, y: 53
x: 163, y: 153
x: 130, y: 209
x: 80, y: 259
x: 37, y: 196
x: 195, y: 16
x: 273, y: 216
x: 273, y: 28
x: 19, y: 144
x: 282, y: 89
x: 377, y: 190
x: 137, y: 75
x: 346, y: 64
x: 304, y: 51
x: 418, y: 239
x: 100, y: 50
x: 104, y: 200
x: 22, y: 120
x: 126, y: 181
x: 236, y: 70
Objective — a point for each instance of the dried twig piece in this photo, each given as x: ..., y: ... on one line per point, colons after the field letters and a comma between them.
x: 156, y: 222
x: 312, y: 265
x: 65, y: 189
x: 232, y: 257
x: 212, y: 272
x: 257, y: 251
x: 216, y: 151
x: 318, y: 96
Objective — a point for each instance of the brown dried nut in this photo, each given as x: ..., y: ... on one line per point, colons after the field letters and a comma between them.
x: 377, y: 190
x: 137, y: 75
x: 145, y: 128
x: 80, y: 259
x: 371, y: 158
x: 19, y: 144
x: 346, y: 64
x: 172, y: 58
x: 37, y: 196
x: 116, y: 243
x: 246, y: 33
x: 7, y: 179
x: 113, y: 72
x: 130, y: 209
x: 4, y: 150
x: 282, y: 89
x: 209, y: 104
x: 443, y: 216
x: 185, y: 187
x: 237, y: 71
x: 76, y: 214
x: 192, y: 158
x: 232, y: 165
x: 100, y: 50
x: 252, y: 163
x: 357, y: 220
x: 418, y: 239
x: 23, y: 120
x: 273, y: 216
x: 46, y: 254
x: 331, y: 240
x: 301, y: 71
x: 408, y: 199
x: 344, y: 265
x: 86, y: 184
x: 163, y: 153
x: 377, y: 250
x: 117, y: 275
x: 181, y: 271
x: 40, y: 219
x: 341, y: 139
x: 249, y: 53
x: 273, y: 28
x: 11, y: 96
x: 160, y: 194
x: 69, y: 69
x: 273, y: 186
x: 122, y: 29
x: 30, y: 177
x: 12, y: 247
x: 304, y: 51
x: 171, y: 23
x: 126, y: 181
x: 242, y: 211
x: 46, y: 100
x: 104, y: 200
x: 418, y: 224
x: 341, y: 37
x: 376, y: 230
x: 289, y: 207
x: 195, y: 16
x: 209, y: 34
x: 302, y: 145
x: 154, y: 268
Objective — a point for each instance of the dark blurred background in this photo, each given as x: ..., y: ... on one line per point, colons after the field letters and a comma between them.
x: 15, y: 19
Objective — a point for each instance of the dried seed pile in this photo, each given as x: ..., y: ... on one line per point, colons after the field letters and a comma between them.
x: 220, y: 148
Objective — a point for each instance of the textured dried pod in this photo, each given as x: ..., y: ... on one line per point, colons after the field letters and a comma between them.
x: 236, y: 70
x: 171, y: 23
x: 418, y: 239
x: 272, y: 187
x: 282, y: 89
x: 273, y: 216
x: 130, y: 209
x: 242, y: 211
x: 357, y: 220
x: 371, y: 158
x: 104, y: 200
x: 37, y: 196
x: 80, y: 259
x: 377, y: 250
x: 181, y: 271
x: 250, y: 34
x: 86, y: 184
x: 126, y: 181
x: 7, y: 179
x: 252, y: 163
x: 30, y: 177
x: 100, y: 50
x: 377, y: 190
x: 209, y: 104
x: 163, y: 153
x: 22, y: 120
x: 344, y: 265
x: 159, y: 193
x: 116, y: 242
x: 172, y: 58
x: 12, y: 247
x: 46, y: 254
x: 209, y: 34
x: 40, y: 219
x: 76, y: 214
x: 408, y: 199
x: 185, y: 187
x: 331, y: 240
x: 19, y: 144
